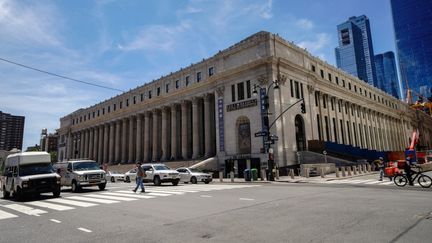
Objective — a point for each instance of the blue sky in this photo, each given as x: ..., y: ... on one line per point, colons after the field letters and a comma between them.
x: 124, y: 44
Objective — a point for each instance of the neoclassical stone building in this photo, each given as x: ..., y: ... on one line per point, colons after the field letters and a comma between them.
x: 208, y: 110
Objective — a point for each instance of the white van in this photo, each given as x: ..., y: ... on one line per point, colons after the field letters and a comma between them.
x: 81, y: 173
x: 29, y: 173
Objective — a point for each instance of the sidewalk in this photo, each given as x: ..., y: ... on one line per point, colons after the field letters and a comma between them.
x: 297, y: 179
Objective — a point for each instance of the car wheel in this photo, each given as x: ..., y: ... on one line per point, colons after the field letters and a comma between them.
x: 112, y: 179
x: 18, y: 194
x: 156, y: 181
x: 194, y: 180
x: 176, y: 182
x: 75, y: 187
x: 102, y: 186
x: 127, y: 179
x: 6, y: 194
x: 206, y: 182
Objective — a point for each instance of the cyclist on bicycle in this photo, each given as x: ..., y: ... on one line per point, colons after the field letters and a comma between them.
x: 409, y: 171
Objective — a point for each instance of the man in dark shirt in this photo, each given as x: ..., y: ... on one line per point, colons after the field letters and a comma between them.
x: 408, y: 171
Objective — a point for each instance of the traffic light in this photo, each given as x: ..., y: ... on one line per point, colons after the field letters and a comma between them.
x: 303, y: 108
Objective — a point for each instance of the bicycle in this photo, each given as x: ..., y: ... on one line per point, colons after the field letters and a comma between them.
x: 423, y: 180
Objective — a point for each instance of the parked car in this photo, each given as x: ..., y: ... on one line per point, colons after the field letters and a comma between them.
x: 159, y: 173
x: 114, y: 176
x: 130, y: 175
x: 81, y: 173
x: 194, y: 175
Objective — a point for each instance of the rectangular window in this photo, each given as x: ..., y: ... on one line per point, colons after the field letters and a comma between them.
x: 240, y: 91
x: 149, y: 94
x: 337, y: 80
x: 187, y: 80
x: 322, y: 73
x: 326, y: 124
x: 142, y: 97
x: 114, y: 107
x: 335, y: 130
x: 85, y: 117
x: 349, y: 133
x: 301, y: 90
x: 339, y: 106
x: 297, y: 90
x: 127, y: 102
x: 248, y: 89
x: 233, y: 93
x: 134, y: 100
x: 80, y: 118
x: 73, y: 122
x: 292, y: 88
x: 343, y: 83
x: 342, y: 131
x: 324, y: 101
x: 98, y: 113
x: 346, y: 108
x: 177, y: 84
x: 93, y: 114
x: 158, y: 91
x: 103, y: 111
x: 355, y: 88
x: 332, y: 103
x: 198, y: 77
x: 166, y: 88
x: 211, y: 71
x: 121, y: 104
x: 313, y: 68
x: 109, y: 109
x: 330, y: 77
x: 319, y: 127
x: 316, y: 98
x: 349, y: 86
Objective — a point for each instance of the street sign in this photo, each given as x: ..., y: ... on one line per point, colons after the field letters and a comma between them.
x: 269, y: 142
x: 274, y: 137
x: 261, y: 134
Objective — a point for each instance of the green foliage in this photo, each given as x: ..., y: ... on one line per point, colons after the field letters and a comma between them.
x: 53, y: 156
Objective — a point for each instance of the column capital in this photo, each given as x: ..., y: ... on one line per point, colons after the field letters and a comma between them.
x: 195, y: 100
x: 156, y: 111
x: 139, y: 116
x: 174, y: 106
x: 166, y: 108
x: 147, y: 113
x: 184, y: 102
x: 207, y: 97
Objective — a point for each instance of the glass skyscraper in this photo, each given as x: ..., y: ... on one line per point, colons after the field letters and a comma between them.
x: 412, y: 22
x: 355, y: 53
x: 386, y: 73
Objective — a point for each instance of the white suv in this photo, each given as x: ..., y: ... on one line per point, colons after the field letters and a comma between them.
x: 158, y: 173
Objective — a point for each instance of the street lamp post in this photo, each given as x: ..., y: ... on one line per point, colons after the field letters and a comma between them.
x: 265, y: 120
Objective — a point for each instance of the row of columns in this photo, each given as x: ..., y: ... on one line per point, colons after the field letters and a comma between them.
x: 184, y: 130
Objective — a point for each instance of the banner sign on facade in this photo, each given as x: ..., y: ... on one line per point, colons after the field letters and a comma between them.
x: 241, y: 105
x: 263, y: 111
x: 221, y: 125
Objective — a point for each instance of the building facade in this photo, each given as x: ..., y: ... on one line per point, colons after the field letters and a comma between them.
x: 11, y: 131
x: 412, y: 21
x: 49, y: 141
x: 209, y: 110
x: 355, y: 53
x: 386, y: 73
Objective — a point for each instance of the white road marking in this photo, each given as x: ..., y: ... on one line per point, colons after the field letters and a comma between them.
x: 24, y: 209
x: 112, y: 197
x: 158, y: 194
x: 49, y: 205
x: 246, y: 199
x: 55, y: 221
x: 169, y: 192
x: 128, y: 195
x: 97, y: 200
x: 388, y: 183
x: 85, y: 230
x: 6, y: 215
x: 71, y: 202
x: 206, y: 196
x: 373, y: 182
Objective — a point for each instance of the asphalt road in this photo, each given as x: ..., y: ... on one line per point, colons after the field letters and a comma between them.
x: 224, y: 213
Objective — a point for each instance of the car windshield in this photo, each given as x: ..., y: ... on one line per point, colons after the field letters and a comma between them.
x: 35, y: 169
x: 161, y: 167
x: 86, y: 166
x: 195, y: 170
x: 115, y: 172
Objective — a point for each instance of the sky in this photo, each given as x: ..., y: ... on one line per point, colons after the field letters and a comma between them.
x: 125, y: 44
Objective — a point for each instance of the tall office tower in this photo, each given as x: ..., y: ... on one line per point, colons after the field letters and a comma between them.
x: 355, y: 53
x: 11, y: 131
x: 386, y: 73
x: 412, y: 21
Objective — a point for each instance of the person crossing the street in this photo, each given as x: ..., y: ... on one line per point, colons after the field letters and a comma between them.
x: 139, y: 178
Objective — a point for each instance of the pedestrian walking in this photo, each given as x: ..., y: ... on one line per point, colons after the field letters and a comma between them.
x: 139, y: 178
x: 380, y: 164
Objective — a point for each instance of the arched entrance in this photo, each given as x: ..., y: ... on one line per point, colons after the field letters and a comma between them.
x: 300, y: 133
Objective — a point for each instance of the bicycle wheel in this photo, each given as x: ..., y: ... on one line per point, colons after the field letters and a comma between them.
x: 425, y: 181
x: 400, y: 180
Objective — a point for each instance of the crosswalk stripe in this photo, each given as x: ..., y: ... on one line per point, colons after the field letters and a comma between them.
x: 112, y: 197
x: 133, y: 195
x: 388, y: 183
x: 50, y: 206
x: 373, y: 182
x: 150, y: 191
x: 169, y: 192
x: 96, y: 200
x: 6, y: 215
x: 24, y: 209
x: 158, y: 194
x: 71, y: 202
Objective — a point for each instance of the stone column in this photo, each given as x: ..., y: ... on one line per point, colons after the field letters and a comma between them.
x: 195, y: 127
x: 111, y: 143
x: 100, y: 144
x: 71, y: 146
x: 174, y: 131
x: 90, y: 144
x: 165, y: 134
x: 156, y: 133
x: 124, y: 141
x: 138, y: 156
x: 131, y: 139
x: 81, y: 144
x: 95, y: 143
x: 105, y: 157
x: 147, y: 132
x: 207, y: 126
x: 184, y: 132
x: 85, y: 142
x: 117, y: 142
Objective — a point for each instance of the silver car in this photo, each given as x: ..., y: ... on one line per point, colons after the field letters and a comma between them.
x: 114, y: 176
x: 130, y: 175
x: 194, y: 175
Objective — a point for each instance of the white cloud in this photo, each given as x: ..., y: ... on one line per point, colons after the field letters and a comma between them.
x: 321, y: 41
x: 156, y: 37
x: 305, y: 24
